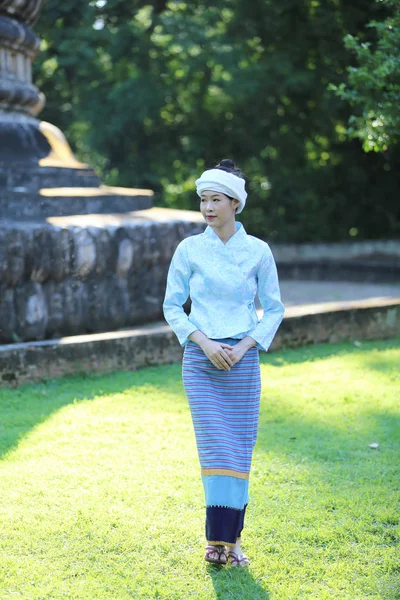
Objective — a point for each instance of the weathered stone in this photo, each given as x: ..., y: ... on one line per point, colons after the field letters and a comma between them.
x: 84, y: 256
x: 125, y: 257
x: 75, y: 307
x: 87, y: 279
x: 105, y: 251
x: 62, y: 249
x: 55, y: 305
x: 8, y: 319
x: 41, y: 256
x: 119, y: 303
x: 12, y: 256
x: 31, y: 311
x: 136, y: 236
x: 98, y: 304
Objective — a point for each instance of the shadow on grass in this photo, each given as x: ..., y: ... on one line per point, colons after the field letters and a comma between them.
x: 24, y: 408
x: 384, y: 365
x: 282, y: 431
x: 294, y: 434
x: 235, y: 584
x: 299, y: 439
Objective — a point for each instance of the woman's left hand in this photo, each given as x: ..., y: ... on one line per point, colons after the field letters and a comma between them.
x: 236, y: 353
x: 240, y: 349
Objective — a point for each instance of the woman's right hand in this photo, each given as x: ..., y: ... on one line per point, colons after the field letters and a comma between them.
x: 215, y: 352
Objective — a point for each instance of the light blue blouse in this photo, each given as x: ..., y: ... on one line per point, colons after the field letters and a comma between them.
x: 222, y: 281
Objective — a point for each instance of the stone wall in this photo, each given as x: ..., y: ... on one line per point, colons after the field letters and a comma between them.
x: 372, y: 319
x: 97, y: 353
x: 373, y: 261
x: 156, y: 344
x: 361, y: 271
x: 354, y: 250
x: 66, y: 277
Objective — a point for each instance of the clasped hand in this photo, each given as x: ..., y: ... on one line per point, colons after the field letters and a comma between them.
x: 223, y: 356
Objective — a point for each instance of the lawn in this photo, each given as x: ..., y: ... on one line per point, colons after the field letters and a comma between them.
x: 101, y: 495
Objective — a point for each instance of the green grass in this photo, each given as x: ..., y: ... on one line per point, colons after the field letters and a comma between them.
x: 101, y: 495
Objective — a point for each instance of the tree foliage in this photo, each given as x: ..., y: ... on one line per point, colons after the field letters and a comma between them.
x: 373, y: 86
x: 151, y: 93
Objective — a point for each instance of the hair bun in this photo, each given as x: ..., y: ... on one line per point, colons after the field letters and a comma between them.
x: 229, y: 166
x: 227, y: 163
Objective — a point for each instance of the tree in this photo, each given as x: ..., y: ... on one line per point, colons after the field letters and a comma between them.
x: 153, y: 93
x: 373, y: 86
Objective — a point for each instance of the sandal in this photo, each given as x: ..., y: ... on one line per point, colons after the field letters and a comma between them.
x: 235, y: 561
x: 216, y: 555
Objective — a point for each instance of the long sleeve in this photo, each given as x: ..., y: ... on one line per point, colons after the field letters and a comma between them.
x: 270, y: 299
x: 176, y: 294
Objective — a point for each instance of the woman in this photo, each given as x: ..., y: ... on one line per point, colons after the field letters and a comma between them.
x: 221, y: 270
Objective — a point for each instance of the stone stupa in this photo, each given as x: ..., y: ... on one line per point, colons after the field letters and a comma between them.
x: 76, y: 257
x: 39, y: 175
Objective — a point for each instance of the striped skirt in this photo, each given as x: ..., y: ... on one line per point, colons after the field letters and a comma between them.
x: 224, y: 407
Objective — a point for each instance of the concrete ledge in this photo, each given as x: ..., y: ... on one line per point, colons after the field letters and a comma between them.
x: 339, y: 321
x: 97, y: 353
x: 362, y: 271
x: 337, y: 251
x: 156, y: 344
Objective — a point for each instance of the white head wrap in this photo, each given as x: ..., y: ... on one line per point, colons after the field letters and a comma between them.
x: 217, y: 180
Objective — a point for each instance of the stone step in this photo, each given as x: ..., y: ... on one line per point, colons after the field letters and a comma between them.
x: 21, y: 204
x: 25, y: 177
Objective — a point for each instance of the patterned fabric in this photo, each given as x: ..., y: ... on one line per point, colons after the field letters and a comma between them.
x: 224, y: 407
x: 222, y: 281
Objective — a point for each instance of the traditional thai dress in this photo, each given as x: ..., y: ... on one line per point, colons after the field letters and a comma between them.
x: 222, y: 281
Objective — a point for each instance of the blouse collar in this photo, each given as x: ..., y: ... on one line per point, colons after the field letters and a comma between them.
x: 237, y: 237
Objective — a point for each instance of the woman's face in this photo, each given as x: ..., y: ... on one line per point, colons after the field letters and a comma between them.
x: 217, y: 209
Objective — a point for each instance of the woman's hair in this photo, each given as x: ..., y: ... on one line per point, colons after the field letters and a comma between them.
x: 229, y: 166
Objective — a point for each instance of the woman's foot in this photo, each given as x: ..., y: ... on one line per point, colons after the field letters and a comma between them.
x: 238, y: 559
x: 216, y: 555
